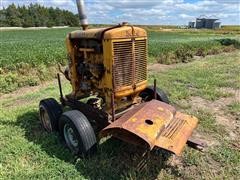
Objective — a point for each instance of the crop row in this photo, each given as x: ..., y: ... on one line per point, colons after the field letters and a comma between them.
x: 35, y: 47
x: 27, y: 55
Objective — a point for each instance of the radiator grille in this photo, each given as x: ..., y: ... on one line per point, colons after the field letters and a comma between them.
x: 130, y: 59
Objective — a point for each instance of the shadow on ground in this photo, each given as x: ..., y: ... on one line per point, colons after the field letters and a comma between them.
x: 113, y: 160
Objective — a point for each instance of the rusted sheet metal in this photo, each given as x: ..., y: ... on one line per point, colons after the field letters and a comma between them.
x: 154, y: 124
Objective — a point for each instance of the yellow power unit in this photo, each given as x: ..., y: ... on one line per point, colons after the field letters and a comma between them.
x: 107, y: 69
x: 121, y: 51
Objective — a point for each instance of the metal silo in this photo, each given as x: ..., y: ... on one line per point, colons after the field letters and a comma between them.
x: 199, y: 23
x: 216, y: 25
x: 191, y: 24
x: 206, y: 22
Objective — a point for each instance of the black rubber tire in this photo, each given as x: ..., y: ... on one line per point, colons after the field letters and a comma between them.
x: 83, y: 131
x: 54, y: 111
x: 148, y: 94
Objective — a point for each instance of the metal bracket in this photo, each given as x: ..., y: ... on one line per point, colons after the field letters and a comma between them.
x: 196, y: 144
x: 60, y: 87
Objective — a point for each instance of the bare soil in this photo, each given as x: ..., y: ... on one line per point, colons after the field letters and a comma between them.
x: 25, y: 90
x: 160, y: 67
x: 219, y: 109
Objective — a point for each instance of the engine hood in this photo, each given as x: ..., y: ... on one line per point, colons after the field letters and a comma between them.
x: 115, y: 32
x: 87, y: 34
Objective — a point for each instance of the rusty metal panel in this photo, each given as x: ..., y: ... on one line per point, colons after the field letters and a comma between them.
x: 154, y: 124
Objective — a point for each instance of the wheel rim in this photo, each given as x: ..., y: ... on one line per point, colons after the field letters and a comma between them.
x: 45, y: 119
x: 71, y: 138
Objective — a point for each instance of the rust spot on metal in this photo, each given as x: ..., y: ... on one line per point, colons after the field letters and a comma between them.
x: 155, y: 124
x: 160, y: 109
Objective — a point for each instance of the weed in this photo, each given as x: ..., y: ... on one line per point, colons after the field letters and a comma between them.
x: 234, y: 108
x: 207, y: 122
x: 201, y: 78
x: 229, y: 158
x: 229, y: 42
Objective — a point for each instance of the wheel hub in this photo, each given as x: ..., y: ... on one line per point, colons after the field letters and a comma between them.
x: 70, y: 138
x: 45, y: 119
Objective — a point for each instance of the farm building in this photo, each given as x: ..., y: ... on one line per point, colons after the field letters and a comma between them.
x: 207, y: 22
x: 191, y: 24
x: 204, y: 22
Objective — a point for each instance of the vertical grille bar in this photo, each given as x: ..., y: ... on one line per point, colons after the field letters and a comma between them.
x: 141, y: 60
x: 130, y: 59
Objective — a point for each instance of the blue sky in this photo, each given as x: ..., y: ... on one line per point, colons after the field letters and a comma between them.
x: 147, y: 11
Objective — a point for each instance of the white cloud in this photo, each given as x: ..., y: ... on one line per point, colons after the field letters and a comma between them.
x: 61, y: 2
x: 186, y: 16
x: 149, y: 11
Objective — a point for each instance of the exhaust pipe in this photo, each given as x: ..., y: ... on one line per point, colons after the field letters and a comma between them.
x: 82, y: 14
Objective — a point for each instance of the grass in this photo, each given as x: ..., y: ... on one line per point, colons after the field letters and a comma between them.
x: 174, y: 47
x: 32, y: 47
x: 29, y: 57
x: 234, y: 108
x: 202, y: 78
x: 231, y: 28
x: 28, y: 152
x: 208, y: 122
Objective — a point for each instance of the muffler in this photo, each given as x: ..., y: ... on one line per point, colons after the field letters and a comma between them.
x: 82, y: 14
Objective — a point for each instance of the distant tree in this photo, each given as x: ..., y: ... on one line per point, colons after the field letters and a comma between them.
x: 43, y: 15
x: 3, y: 21
x: 36, y: 15
x: 70, y: 19
x: 27, y: 20
x: 50, y: 23
x: 13, y: 16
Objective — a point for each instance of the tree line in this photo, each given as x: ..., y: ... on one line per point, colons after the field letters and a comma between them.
x: 36, y: 15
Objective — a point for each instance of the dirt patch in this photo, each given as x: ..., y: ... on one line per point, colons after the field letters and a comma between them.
x: 235, y: 92
x: 25, y: 90
x: 216, y: 107
x: 219, y: 109
x: 166, y: 30
x: 17, y: 103
x: 205, y: 138
x: 160, y: 67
